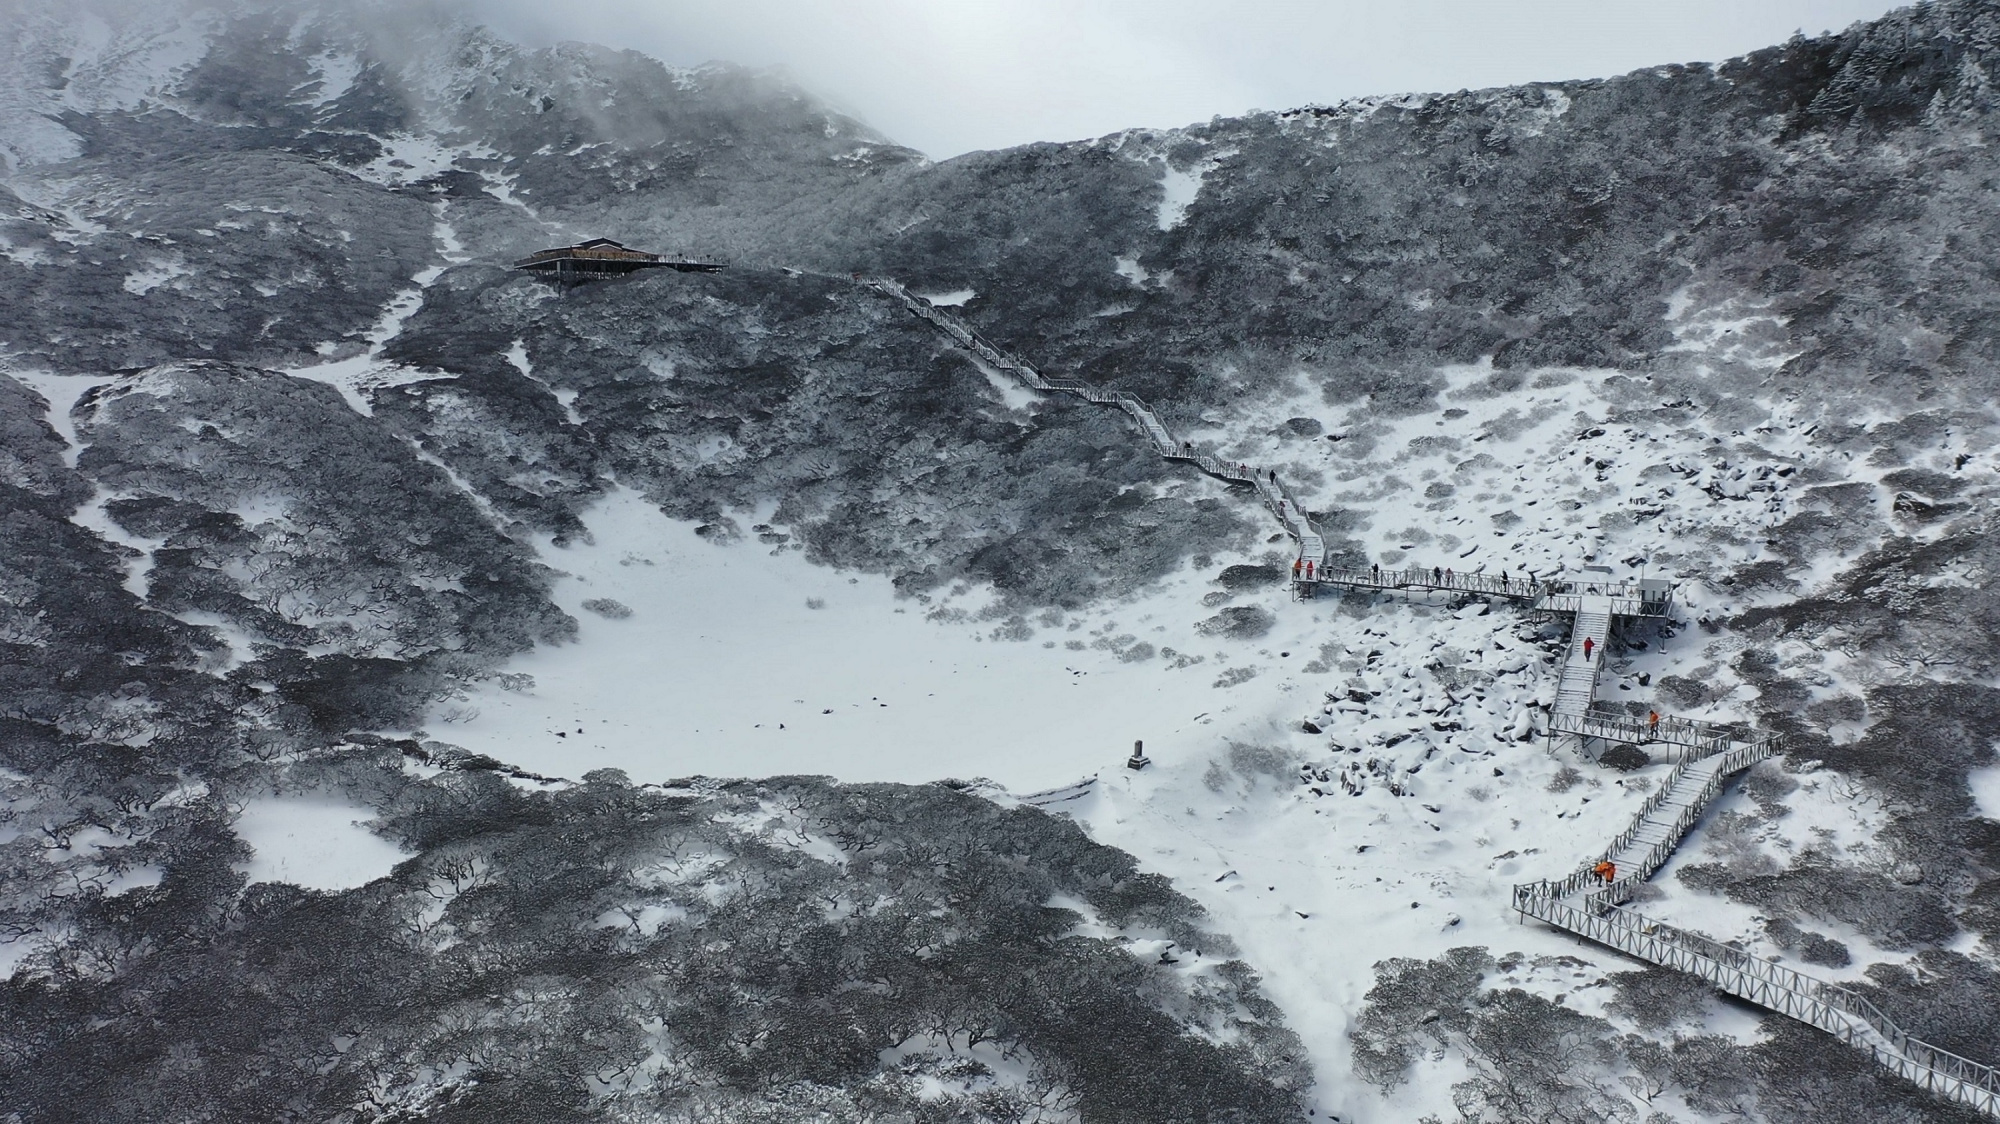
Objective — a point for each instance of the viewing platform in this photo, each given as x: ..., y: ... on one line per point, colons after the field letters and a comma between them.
x: 601, y: 257
x: 1643, y: 597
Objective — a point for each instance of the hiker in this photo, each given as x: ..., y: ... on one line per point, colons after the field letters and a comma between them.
x: 1447, y: 575
x: 1588, y: 644
x: 1274, y: 476
x: 1503, y: 579
x: 1652, y: 724
x: 1376, y: 569
x: 1437, y: 575
x: 1309, y: 571
x: 1297, y: 565
x: 1187, y: 447
x: 1606, y: 870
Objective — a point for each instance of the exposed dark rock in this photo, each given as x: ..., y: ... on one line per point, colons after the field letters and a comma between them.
x: 1240, y: 622
x: 1239, y: 578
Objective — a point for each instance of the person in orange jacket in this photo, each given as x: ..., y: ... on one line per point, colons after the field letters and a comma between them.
x: 1606, y: 871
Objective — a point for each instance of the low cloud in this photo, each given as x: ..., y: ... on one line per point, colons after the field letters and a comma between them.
x: 952, y: 77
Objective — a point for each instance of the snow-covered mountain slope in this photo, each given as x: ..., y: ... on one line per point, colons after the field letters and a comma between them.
x: 317, y: 516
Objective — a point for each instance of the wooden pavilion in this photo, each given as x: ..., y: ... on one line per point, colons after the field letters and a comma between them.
x: 602, y: 257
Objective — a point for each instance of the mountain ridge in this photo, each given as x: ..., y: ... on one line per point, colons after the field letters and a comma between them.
x: 303, y: 477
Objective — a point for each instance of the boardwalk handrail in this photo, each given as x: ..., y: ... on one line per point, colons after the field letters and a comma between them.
x: 1733, y: 760
x: 1550, y: 594
x: 1685, y: 734
x: 1526, y: 587
x: 1845, y: 1014
x: 1622, y: 604
x: 1584, y: 905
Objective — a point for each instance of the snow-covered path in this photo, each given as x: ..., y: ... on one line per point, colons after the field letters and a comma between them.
x: 1582, y: 903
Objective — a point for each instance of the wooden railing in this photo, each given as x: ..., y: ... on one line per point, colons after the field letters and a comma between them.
x: 1686, y: 735
x: 1845, y: 1014
x: 1525, y: 587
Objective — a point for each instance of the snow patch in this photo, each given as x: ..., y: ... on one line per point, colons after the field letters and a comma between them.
x: 1179, y: 188
x: 145, y: 279
x: 1986, y: 790
x: 14, y: 953
x: 953, y: 299
x: 566, y: 398
x: 1013, y: 394
x: 1178, y: 191
x: 356, y: 377
x: 334, y: 75
x: 407, y: 158
x: 239, y: 647
x: 94, y: 518
x: 318, y: 844
x: 1737, y: 329
x: 740, y: 660
x: 62, y: 392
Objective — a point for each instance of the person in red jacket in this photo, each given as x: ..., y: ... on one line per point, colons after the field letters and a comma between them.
x: 1588, y: 644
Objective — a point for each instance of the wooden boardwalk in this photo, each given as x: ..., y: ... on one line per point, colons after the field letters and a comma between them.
x: 1707, y: 756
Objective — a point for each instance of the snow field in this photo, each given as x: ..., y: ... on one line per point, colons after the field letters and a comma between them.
x: 723, y: 645
x: 1536, y: 479
x: 1397, y: 829
x: 1317, y: 889
x: 315, y: 843
x: 108, y: 68
x: 738, y: 660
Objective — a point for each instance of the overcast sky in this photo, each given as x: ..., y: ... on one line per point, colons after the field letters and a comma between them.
x: 951, y: 76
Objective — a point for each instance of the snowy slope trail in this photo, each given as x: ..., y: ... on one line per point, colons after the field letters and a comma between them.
x: 1311, y: 543
x: 1590, y: 901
